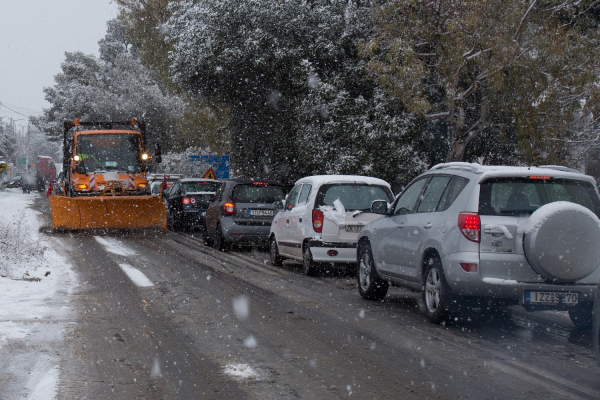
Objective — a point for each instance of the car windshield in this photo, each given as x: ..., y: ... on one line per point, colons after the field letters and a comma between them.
x: 353, y: 196
x: 516, y: 196
x: 110, y: 152
x: 196, y: 187
x: 252, y: 193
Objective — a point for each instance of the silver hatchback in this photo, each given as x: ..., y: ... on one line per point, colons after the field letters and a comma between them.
x: 467, y: 235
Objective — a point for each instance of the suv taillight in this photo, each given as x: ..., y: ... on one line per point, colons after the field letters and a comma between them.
x: 317, y: 221
x: 228, y: 208
x: 188, y: 200
x: 470, y: 226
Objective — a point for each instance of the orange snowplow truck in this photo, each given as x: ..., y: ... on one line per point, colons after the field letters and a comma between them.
x: 104, y: 184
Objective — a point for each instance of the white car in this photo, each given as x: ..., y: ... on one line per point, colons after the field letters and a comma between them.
x: 322, y: 218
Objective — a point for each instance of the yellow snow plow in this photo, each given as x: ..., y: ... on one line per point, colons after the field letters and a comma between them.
x: 104, y: 184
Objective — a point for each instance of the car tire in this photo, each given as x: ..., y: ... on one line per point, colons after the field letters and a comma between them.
x: 170, y: 220
x: 175, y: 226
x: 205, y: 238
x: 437, y: 296
x: 220, y: 243
x: 370, y: 285
x: 582, y: 316
x: 308, y: 265
x: 276, y: 259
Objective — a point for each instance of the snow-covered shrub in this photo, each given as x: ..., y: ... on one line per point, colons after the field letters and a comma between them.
x: 18, y: 249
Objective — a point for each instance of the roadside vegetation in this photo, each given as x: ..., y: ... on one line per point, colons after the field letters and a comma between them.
x: 20, y: 250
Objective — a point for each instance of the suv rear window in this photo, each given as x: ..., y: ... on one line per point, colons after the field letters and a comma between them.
x: 515, y: 196
x: 257, y: 193
x: 353, y: 196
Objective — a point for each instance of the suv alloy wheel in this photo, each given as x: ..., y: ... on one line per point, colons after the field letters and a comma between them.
x: 370, y: 285
x: 437, y: 296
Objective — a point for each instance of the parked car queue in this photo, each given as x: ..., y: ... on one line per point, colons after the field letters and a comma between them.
x: 467, y: 237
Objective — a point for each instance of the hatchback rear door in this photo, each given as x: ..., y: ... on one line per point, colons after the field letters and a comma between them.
x: 346, y: 209
x: 254, y: 203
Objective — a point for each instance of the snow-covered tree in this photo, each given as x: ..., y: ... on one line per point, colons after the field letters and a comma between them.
x: 7, y: 142
x: 526, y: 70
x: 301, y: 100
x: 116, y: 87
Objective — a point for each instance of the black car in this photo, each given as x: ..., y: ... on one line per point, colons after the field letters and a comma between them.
x: 242, y: 212
x: 186, y: 202
x: 15, y: 182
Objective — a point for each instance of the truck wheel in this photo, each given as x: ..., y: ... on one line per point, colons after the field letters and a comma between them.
x: 308, y: 265
x: 437, y: 295
x: 370, y: 285
x: 276, y: 259
x: 581, y: 316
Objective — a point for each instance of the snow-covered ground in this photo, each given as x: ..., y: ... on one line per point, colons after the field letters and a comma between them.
x: 35, y: 286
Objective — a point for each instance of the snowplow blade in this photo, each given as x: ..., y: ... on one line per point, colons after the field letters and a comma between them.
x: 108, y: 212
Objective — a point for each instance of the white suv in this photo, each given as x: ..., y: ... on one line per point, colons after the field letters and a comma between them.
x: 322, y: 218
x: 466, y: 234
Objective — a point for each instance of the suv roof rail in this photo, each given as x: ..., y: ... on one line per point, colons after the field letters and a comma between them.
x: 471, y: 167
x: 561, y: 168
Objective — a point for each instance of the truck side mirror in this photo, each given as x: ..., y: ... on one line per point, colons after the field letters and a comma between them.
x: 158, y: 154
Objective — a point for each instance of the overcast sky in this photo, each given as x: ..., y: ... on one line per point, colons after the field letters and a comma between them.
x: 34, y: 36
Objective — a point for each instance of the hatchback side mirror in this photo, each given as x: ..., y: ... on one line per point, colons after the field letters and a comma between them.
x: 278, y: 205
x: 379, y: 207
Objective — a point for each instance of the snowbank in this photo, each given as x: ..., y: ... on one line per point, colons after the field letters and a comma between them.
x: 35, y: 283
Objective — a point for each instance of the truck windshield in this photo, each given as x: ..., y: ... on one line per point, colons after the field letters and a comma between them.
x: 105, y: 152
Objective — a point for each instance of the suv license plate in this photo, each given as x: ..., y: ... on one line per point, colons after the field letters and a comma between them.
x: 551, y: 297
x: 353, y: 228
x: 202, y: 213
x: 261, y: 213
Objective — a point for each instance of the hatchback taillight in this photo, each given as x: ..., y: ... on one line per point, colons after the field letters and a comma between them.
x: 317, y: 221
x: 228, y: 208
x: 470, y: 226
x: 188, y: 200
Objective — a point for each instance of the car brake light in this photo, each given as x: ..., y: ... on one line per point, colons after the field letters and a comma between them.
x: 540, y: 177
x: 228, y: 208
x: 470, y: 226
x: 317, y: 219
x: 468, y: 267
x: 260, y: 183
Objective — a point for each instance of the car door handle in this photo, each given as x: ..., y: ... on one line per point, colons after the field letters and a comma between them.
x: 287, y: 221
x: 400, y: 226
x: 300, y: 220
x: 428, y: 225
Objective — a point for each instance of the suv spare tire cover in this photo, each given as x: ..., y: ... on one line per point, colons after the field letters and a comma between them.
x: 562, y: 241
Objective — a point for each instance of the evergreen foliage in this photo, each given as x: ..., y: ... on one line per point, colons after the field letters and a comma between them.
x: 115, y: 87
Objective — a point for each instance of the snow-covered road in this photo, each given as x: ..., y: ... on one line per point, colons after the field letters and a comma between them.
x: 35, y: 286
x: 161, y: 316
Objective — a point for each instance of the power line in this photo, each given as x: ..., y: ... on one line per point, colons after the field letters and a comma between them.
x: 24, y: 109
x: 26, y: 116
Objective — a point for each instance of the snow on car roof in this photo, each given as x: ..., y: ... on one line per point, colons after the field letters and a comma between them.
x: 489, y: 171
x: 198, y: 180
x: 319, y: 180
